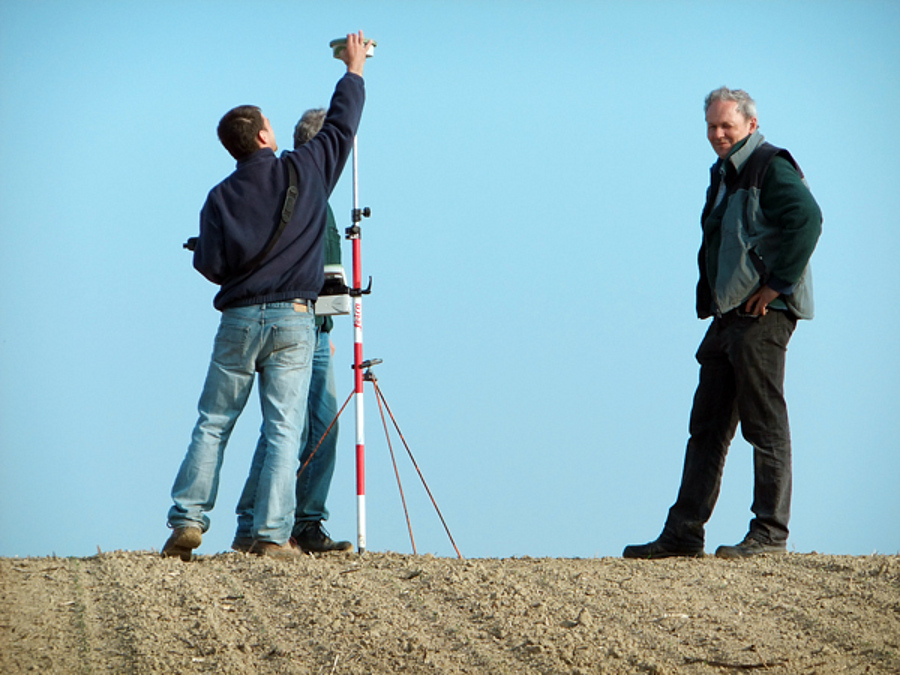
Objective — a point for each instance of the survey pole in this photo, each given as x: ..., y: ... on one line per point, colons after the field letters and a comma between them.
x: 354, y: 234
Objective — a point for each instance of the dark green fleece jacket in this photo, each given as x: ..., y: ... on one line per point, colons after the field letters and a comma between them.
x: 332, y: 254
x: 760, y: 227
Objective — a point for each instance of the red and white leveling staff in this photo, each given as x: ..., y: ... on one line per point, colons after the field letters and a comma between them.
x: 356, y: 292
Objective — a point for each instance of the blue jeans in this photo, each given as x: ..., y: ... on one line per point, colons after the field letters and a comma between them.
x: 275, y: 341
x: 313, y: 483
x: 741, y: 381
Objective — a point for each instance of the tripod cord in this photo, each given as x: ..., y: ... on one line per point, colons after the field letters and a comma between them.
x: 324, y: 436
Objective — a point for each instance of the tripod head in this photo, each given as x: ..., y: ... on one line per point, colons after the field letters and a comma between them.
x: 367, y: 365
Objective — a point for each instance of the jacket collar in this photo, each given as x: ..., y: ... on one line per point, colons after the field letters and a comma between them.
x: 742, y: 151
x: 260, y: 155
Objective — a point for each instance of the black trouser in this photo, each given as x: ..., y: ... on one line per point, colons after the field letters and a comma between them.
x: 741, y: 380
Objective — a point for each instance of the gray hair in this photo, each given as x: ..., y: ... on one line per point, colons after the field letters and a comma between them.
x: 745, y: 105
x: 308, y: 126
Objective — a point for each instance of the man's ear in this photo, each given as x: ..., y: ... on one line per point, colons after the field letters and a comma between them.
x: 262, y: 137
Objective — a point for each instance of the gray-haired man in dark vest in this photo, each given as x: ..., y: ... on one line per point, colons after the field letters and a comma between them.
x: 760, y: 227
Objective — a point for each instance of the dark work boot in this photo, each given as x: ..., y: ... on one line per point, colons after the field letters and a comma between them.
x: 662, y: 549
x: 314, y: 539
x: 242, y: 544
x: 748, y: 548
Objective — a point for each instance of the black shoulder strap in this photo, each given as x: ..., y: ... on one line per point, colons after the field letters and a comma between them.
x: 754, y: 171
x: 290, y: 198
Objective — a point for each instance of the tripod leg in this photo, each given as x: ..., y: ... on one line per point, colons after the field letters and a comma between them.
x: 380, y: 396
x: 387, y: 436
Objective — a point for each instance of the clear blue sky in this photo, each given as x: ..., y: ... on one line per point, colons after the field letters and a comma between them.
x: 535, y: 171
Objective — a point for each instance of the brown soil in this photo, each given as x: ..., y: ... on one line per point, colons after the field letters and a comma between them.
x: 134, y: 612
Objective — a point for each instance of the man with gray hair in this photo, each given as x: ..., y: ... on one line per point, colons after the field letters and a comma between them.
x: 318, y: 450
x: 760, y: 226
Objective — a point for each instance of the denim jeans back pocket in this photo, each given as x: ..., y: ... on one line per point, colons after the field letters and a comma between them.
x: 292, y: 343
x: 232, y: 345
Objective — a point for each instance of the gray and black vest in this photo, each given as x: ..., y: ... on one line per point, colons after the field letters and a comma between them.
x: 745, y: 241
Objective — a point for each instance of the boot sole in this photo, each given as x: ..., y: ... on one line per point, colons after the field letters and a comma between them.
x: 731, y: 554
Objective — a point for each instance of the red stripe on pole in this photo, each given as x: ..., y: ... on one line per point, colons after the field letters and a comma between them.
x: 360, y: 470
x: 357, y: 266
x: 358, y: 358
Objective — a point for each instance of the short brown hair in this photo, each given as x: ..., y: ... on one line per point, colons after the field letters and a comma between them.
x: 238, y: 130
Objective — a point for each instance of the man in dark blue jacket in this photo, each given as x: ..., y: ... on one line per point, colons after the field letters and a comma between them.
x: 319, y: 449
x: 267, y: 305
